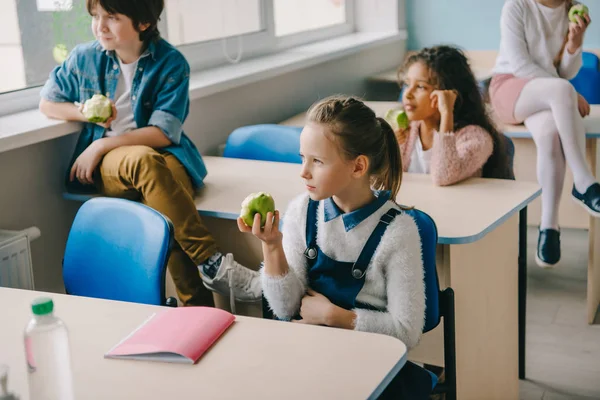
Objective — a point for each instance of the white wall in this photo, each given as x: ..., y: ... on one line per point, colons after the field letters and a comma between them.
x: 31, y: 178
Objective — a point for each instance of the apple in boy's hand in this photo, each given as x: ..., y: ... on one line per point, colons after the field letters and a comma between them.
x: 261, y: 203
x: 578, y: 9
x: 397, y: 118
x: 97, y: 109
x: 60, y: 53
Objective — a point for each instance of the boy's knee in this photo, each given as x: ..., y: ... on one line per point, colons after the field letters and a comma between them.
x: 132, y: 160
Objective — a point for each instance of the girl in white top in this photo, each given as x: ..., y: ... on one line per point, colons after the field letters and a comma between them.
x: 313, y: 270
x: 540, y: 50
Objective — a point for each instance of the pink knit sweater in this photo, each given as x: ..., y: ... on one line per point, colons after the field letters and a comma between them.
x: 456, y: 155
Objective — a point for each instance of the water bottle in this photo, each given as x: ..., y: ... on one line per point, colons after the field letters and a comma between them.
x: 47, y: 353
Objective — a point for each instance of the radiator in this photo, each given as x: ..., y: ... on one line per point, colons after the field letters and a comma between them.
x: 15, y: 258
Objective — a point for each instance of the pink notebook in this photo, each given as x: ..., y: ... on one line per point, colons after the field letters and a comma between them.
x: 178, y: 335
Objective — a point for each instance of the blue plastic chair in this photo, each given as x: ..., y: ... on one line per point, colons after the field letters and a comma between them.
x: 266, y: 142
x: 587, y: 83
x: 118, y: 250
x: 590, y: 60
x: 438, y: 304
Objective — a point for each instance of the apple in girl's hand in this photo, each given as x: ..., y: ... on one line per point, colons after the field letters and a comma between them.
x: 261, y: 203
x: 97, y: 109
x: 397, y: 118
x: 578, y: 9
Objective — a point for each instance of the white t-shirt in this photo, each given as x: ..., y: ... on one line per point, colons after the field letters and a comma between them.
x: 124, y: 121
x: 531, y: 36
x: 420, y: 160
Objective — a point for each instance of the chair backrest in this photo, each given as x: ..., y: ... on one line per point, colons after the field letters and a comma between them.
x: 510, y: 152
x: 118, y: 249
x: 266, y: 142
x: 429, y: 238
x: 587, y: 83
x: 590, y: 60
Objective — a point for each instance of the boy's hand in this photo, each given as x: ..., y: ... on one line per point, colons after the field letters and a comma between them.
x: 576, y: 33
x: 269, y: 234
x: 315, y: 309
x: 84, y: 166
x: 105, y: 124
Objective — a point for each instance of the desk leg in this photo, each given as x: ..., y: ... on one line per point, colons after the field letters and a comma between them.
x: 484, y: 276
x: 522, y: 289
x: 593, y: 280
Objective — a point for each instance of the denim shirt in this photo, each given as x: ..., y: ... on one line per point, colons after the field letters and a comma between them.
x: 159, y: 96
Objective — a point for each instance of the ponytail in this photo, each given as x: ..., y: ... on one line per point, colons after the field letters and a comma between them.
x: 358, y: 131
x: 390, y: 176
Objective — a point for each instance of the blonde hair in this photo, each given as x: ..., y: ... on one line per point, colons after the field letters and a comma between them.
x: 358, y: 131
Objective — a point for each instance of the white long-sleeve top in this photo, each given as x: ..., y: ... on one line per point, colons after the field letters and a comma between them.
x: 394, y: 279
x: 531, y: 36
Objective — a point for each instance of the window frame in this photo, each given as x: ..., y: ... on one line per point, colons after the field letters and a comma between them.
x: 210, y: 54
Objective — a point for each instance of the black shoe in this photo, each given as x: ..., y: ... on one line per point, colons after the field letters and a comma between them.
x: 548, y: 248
x: 590, y: 200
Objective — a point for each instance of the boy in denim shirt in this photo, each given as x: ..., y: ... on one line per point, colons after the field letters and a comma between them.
x: 141, y: 152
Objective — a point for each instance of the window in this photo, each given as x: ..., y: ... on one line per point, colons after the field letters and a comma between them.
x: 190, y: 21
x: 294, y: 16
x: 37, y: 35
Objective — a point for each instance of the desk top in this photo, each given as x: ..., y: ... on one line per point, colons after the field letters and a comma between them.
x: 255, y: 358
x: 592, y: 121
x: 464, y: 212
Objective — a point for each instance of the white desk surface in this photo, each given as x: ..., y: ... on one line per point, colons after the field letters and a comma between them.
x: 464, y: 213
x: 254, y: 359
x: 592, y: 121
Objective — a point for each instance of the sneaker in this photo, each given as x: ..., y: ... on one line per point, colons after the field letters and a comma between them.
x: 234, y: 281
x: 590, y: 200
x: 548, y: 248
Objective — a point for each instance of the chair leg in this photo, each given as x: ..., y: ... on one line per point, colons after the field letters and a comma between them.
x: 522, y: 262
x: 449, y: 343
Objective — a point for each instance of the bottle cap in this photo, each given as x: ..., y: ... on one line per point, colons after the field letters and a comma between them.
x: 42, y: 306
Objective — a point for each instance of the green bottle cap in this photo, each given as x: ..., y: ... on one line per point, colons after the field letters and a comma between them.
x: 42, y: 306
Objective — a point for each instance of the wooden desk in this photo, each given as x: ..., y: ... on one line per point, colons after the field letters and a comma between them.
x: 254, y: 359
x: 477, y: 222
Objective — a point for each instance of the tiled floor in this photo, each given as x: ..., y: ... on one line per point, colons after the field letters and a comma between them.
x: 563, y: 351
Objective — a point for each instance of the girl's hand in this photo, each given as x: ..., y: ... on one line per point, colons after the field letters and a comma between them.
x: 105, y: 124
x: 583, y: 106
x: 444, y: 101
x: 576, y: 33
x: 269, y: 234
x: 85, y: 165
x: 315, y: 309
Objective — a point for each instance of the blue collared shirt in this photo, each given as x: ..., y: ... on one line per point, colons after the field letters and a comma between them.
x: 353, y: 218
x: 159, y: 94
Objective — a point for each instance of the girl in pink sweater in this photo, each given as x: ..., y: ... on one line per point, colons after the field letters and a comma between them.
x: 450, y: 135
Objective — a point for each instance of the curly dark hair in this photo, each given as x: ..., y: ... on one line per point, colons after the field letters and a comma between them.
x: 449, y: 70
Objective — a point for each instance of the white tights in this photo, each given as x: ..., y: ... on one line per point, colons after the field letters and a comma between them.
x: 549, y: 108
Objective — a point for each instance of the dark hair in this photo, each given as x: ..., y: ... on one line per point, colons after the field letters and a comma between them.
x: 449, y: 70
x: 139, y: 11
x: 359, y: 132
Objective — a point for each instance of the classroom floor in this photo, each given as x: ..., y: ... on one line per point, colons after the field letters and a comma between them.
x: 563, y: 351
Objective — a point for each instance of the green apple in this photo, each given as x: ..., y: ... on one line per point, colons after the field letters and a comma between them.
x: 578, y: 9
x: 60, y: 53
x: 397, y: 118
x: 97, y: 109
x: 261, y: 203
